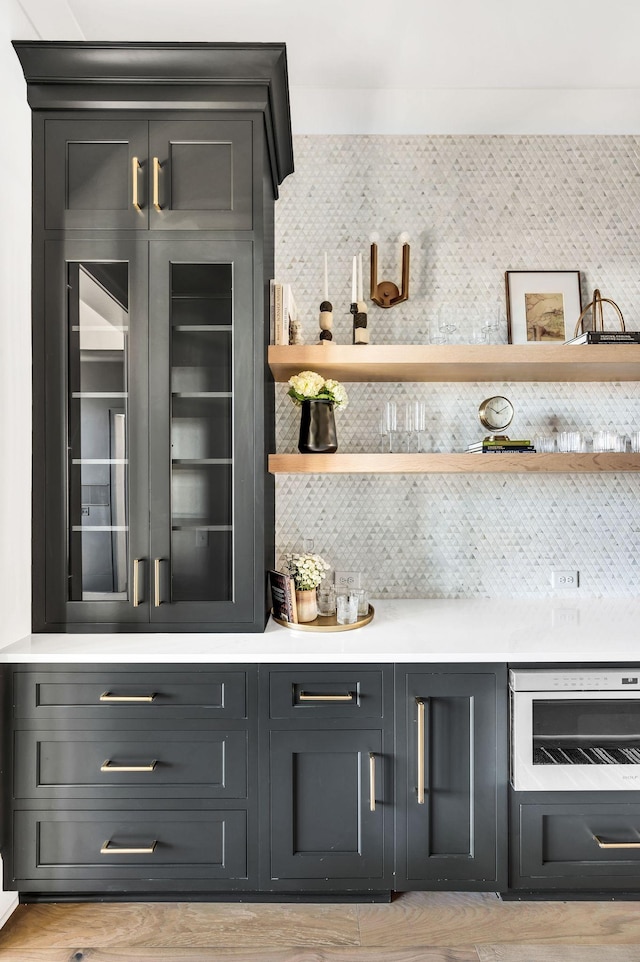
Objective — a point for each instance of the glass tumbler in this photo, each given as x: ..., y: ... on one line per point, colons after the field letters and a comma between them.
x: 347, y: 608
x: 326, y: 597
x: 363, y: 601
x: 544, y: 443
x: 606, y: 441
x: 570, y: 442
x: 635, y: 441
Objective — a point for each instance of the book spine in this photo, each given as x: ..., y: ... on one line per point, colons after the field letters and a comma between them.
x: 278, y: 313
x: 294, y: 605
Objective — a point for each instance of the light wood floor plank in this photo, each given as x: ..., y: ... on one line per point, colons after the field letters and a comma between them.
x: 142, y: 954
x: 469, y: 918
x: 180, y: 924
x: 549, y: 953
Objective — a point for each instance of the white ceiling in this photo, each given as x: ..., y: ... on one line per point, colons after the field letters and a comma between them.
x: 346, y: 56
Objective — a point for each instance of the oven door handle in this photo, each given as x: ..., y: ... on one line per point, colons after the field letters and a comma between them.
x: 602, y: 844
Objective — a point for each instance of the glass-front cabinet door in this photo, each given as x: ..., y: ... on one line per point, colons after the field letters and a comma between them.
x: 95, y: 486
x: 201, y: 438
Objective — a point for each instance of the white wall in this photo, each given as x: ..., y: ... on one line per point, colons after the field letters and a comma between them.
x: 15, y: 327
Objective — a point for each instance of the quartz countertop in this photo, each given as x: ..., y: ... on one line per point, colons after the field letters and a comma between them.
x: 464, y: 630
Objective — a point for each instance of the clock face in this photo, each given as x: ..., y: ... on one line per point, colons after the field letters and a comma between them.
x: 496, y: 413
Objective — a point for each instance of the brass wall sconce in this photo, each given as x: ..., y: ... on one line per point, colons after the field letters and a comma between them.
x: 386, y: 293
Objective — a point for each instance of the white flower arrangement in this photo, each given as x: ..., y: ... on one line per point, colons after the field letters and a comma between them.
x: 307, y: 570
x: 309, y: 386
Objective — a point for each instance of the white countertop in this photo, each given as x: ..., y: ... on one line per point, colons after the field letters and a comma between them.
x: 548, y: 630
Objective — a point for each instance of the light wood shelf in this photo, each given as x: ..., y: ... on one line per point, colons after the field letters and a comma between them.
x: 451, y: 463
x: 460, y: 362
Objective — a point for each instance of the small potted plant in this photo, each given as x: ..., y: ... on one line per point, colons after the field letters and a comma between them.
x: 307, y: 571
x: 317, y: 397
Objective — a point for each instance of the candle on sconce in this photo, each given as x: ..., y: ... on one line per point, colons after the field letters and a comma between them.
x: 354, y: 282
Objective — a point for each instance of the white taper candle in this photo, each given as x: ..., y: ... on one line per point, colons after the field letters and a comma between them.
x: 326, y: 278
x: 354, y: 282
x: 360, y: 287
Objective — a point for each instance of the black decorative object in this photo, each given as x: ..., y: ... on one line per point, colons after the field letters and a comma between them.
x: 317, y: 428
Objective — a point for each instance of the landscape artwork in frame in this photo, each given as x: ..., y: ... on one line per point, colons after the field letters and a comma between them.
x: 543, y: 307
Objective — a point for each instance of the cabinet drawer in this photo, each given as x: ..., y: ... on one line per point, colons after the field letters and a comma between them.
x: 130, y: 845
x: 578, y: 841
x: 78, y: 764
x: 329, y: 694
x: 142, y: 695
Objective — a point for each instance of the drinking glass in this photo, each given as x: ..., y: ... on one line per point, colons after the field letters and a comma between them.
x: 419, y: 423
x: 363, y: 601
x: 445, y: 326
x: 635, y: 442
x: 544, y: 443
x: 608, y: 441
x: 388, y: 426
x: 347, y: 608
x: 326, y: 597
x: 570, y: 442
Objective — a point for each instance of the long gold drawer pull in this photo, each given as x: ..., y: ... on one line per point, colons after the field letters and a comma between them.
x: 156, y: 583
x: 420, y: 705
x: 135, y: 163
x: 157, y: 166
x: 136, y: 582
x: 107, y: 696
x: 110, y: 766
x: 372, y: 782
x: 602, y: 844
x: 306, y: 696
x: 109, y: 849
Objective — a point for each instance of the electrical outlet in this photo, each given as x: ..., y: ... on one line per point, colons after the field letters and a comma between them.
x: 202, y: 538
x: 347, y: 579
x: 564, y: 579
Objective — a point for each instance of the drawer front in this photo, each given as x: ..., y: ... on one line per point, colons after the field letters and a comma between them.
x: 325, y: 694
x: 80, y: 764
x: 130, y: 845
x: 141, y: 695
x: 580, y: 841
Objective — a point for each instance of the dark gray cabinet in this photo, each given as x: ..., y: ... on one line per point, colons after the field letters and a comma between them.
x: 132, y: 780
x: 327, y: 775
x: 153, y: 406
x: 451, y: 777
x: 137, y: 174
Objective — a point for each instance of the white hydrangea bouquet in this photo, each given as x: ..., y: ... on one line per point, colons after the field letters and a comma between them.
x: 307, y: 570
x: 309, y: 386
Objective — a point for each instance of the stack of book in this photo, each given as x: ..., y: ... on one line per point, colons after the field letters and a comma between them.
x: 606, y: 337
x: 501, y: 446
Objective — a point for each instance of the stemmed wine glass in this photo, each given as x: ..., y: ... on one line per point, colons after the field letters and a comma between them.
x: 388, y: 427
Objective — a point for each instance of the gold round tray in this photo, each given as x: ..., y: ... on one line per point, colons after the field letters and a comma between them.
x: 327, y: 623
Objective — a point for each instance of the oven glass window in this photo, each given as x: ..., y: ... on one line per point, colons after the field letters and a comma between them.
x: 586, y: 732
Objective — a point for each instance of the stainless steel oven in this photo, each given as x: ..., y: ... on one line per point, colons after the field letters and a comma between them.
x: 575, y: 730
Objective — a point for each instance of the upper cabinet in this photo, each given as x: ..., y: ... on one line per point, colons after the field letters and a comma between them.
x: 155, y: 171
x: 137, y: 175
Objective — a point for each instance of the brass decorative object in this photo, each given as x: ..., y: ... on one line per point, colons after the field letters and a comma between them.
x: 326, y: 623
x: 598, y: 320
x: 386, y: 293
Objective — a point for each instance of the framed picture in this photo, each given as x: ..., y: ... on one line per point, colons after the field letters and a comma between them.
x: 543, y: 307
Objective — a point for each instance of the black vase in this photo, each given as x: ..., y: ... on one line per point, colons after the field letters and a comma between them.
x: 317, y: 428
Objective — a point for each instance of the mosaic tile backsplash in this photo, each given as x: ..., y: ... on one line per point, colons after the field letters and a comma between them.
x: 473, y: 207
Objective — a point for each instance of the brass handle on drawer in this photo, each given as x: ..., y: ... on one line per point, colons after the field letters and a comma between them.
x: 136, y: 165
x: 602, y: 844
x: 107, y: 696
x: 136, y: 582
x: 110, y: 766
x: 156, y: 583
x: 305, y: 696
x: 109, y: 849
x: 420, y: 705
x: 372, y: 782
x: 157, y: 166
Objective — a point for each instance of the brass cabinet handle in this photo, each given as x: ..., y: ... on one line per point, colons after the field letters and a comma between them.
x: 136, y: 165
x: 109, y: 849
x: 156, y: 583
x: 305, y: 696
x: 601, y: 844
x: 372, y: 782
x: 157, y: 166
x: 136, y: 582
x: 109, y: 766
x: 420, y: 704
x: 107, y: 696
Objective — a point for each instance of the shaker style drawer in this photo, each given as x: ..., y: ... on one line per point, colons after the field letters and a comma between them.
x: 124, y: 845
x: 327, y: 694
x: 142, y: 695
x: 578, y: 841
x: 80, y: 764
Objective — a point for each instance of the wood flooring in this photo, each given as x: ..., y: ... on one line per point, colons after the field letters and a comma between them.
x: 417, y: 927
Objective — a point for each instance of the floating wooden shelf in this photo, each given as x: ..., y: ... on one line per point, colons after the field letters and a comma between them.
x: 451, y: 463
x: 460, y: 362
